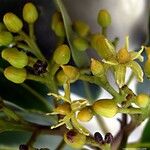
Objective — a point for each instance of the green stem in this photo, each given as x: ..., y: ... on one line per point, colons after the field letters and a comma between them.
x: 36, y: 78
x: 51, y: 83
x: 31, y: 31
x: 130, y: 110
x: 104, y: 31
x: 104, y: 84
x: 67, y: 90
x: 24, y: 47
x: 138, y: 145
x: 33, y: 45
x: 39, y: 97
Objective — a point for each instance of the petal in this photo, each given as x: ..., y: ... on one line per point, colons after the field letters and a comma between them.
x: 79, y: 127
x: 137, y: 55
x: 120, y: 72
x: 110, y: 61
x: 110, y: 47
x: 137, y: 70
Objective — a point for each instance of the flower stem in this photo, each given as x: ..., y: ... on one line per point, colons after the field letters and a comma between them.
x: 31, y: 31
x: 104, y: 84
x: 130, y: 110
x: 36, y: 78
x: 33, y: 45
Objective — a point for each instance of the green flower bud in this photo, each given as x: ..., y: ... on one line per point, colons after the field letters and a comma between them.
x: 55, y: 19
x: 71, y: 72
x: 5, y: 38
x: 15, y: 75
x: 105, y: 107
x: 60, y: 29
x: 2, y: 27
x: 80, y: 44
x: 142, y: 100
x: 147, y: 68
x: 61, y: 77
x: 30, y: 13
x: 97, y: 68
x: 62, y: 54
x: 85, y: 114
x: 75, y: 139
x: 81, y: 28
x: 12, y: 22
x: 16, y: 58
x: 102, y: 46
x: 104, y: 18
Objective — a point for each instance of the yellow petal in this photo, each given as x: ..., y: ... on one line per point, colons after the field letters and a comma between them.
x: 137, y: 70
x: 120, y: 71
x: 137, y: 55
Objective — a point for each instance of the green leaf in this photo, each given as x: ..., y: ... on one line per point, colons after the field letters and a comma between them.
x: 146, y: 133
x: 80, y: 58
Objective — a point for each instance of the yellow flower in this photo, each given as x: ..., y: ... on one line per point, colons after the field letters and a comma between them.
x: 123, y: 59
x: 69, y: 112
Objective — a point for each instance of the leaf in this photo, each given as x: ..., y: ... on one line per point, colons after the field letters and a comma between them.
x: 80, y: 58
x: 146, y: 133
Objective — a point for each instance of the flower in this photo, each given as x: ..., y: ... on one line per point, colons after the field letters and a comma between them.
x: 69, y: 108
x: 123, y: 59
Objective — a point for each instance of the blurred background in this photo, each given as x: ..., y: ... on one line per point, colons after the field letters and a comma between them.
x: 129, y: 17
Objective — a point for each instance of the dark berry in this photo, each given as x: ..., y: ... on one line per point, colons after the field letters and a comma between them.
x: 98, y: 137
x: 70, y: 135
x: 108, y: 138
x: 23, y: 147
x: 39, y: 67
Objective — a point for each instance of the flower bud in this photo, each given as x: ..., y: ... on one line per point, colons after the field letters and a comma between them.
x: 30, y: 13
x: 97, y: 68
x: 61, y: 77
x: 12, y: 22
x: 60, y: 29
x: 147, y: 68
x: 85, y: 114
x: 55, y: 19
x: 105, y: 107
x: 5, y: 38
x: 102, y: 46
x: 104, y: 18
x: 81, y: 28
x: 62, y: 54
x: 2, y: 27
x: 142, y: 100
x: 123, y: 56
x: 80, y: 44
x: 16, y: 58
x: 15, y: 75
x: 75, y: 139
x: 63, y: 109
x: 71, y: 72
